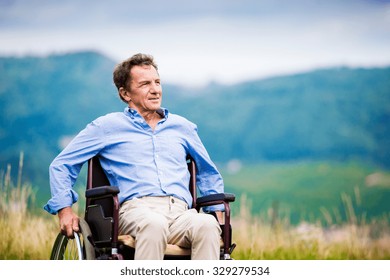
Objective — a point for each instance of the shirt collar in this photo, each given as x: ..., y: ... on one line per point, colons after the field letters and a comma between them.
x: 163, y: 112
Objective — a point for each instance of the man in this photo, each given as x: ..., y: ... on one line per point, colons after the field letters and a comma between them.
x: 143, y: 151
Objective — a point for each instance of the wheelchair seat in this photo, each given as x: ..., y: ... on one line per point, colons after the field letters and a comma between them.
x: 98, y: 237
x: 172, y: 250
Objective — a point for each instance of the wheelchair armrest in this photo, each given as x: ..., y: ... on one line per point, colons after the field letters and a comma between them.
x: 213, y: 199
x: 101, y: 191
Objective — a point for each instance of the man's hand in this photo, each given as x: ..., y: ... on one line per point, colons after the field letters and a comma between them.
x: 69, y: 221
x: 220, y: 217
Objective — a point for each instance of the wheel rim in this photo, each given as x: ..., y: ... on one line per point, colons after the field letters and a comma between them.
x: 77, y: 248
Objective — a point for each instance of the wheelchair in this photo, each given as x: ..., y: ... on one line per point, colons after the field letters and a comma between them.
x: 98, y: 237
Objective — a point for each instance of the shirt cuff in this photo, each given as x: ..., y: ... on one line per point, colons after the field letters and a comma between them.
x: 61, y: 200
x: 214, y: 208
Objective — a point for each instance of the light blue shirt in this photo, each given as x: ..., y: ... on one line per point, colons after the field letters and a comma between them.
x: 138, y: 160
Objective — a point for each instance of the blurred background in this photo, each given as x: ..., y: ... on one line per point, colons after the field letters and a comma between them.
x: 291, y: 98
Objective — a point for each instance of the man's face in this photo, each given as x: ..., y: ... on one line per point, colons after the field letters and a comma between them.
x: 145, y: 89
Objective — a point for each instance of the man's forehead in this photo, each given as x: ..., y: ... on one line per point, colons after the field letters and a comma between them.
x: 143, y: 70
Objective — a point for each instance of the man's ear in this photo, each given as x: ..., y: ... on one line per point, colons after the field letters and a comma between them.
x: 124, y: 94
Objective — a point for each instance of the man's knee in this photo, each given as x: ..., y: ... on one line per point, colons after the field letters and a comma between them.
x: 206, y: 224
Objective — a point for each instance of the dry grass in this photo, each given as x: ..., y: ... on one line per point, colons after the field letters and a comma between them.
x: 28, y: 236
x: 280, y: 240
x: 23, y: 235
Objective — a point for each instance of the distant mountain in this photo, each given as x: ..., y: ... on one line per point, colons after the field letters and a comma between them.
x: 330, y: 115
x: 339, y: 113
x: 44, y: 99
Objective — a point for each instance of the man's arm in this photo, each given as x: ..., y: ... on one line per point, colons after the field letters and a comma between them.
x: 209, y: 180
x: 65, y: 168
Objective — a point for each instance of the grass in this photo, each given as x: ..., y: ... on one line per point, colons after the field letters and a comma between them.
x: 28, y: 234
x: 23, y: 235
x: 280, y: 240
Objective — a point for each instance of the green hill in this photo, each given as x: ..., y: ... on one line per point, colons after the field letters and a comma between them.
x: 326, y: 114
x: 326, y: 191
x: 45, y: 99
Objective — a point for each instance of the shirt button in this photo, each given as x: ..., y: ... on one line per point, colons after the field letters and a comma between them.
x: 172, y: 200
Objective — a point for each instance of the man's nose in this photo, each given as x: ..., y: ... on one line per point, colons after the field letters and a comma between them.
x: 155, y: 88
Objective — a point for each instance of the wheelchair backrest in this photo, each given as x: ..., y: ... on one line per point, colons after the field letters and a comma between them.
x: 97, y: 177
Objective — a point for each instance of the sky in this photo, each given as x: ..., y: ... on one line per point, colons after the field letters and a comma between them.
x: 199, y: 42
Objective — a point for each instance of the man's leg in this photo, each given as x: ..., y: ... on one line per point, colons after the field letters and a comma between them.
x: 148, y: 227
x: 198, y: 231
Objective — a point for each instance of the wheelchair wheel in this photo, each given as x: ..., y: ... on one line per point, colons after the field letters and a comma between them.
x: 78, y: 248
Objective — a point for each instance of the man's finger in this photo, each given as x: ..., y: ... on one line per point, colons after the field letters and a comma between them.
x: 76, y: 225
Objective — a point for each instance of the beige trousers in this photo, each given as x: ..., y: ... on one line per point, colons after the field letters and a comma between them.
x: 155, y: 222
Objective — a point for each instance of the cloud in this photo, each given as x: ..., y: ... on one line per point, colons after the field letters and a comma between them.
x: 196, y: 42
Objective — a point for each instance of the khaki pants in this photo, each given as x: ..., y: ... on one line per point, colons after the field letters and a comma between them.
x: 155, y: 222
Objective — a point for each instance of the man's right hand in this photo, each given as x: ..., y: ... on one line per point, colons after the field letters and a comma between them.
x: 69, y: 221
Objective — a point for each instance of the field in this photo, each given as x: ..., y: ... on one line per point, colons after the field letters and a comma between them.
x: 280, y: 240
x: 325, y: 191
x: 262, y: 230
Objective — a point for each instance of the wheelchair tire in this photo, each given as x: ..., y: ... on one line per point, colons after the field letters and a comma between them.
x: 77, y: 248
